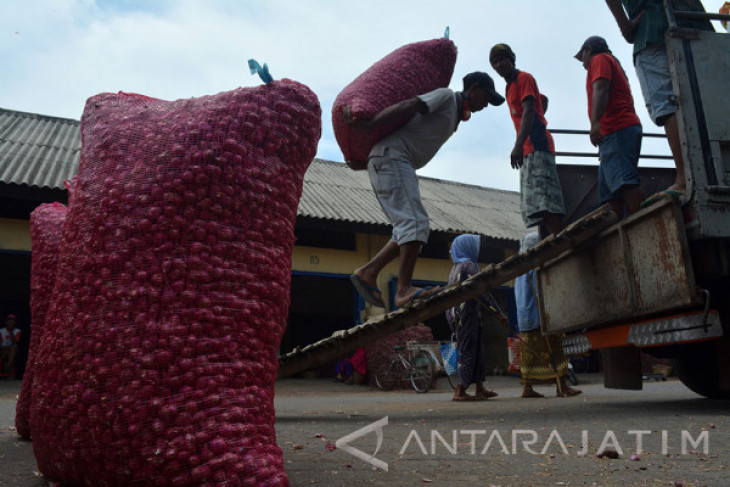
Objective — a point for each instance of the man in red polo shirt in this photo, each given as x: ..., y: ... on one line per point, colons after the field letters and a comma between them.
x: 541, y: 197
x: 615, y: 127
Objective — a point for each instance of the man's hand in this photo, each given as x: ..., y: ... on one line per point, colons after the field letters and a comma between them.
x: 599, y: 99
x: 348, y: 116
x: 628, y: 30
x: 596, y: 137
x: 517, y: 156
x: 403, y: 110
x: 503, y: 320
x: 626, y: 25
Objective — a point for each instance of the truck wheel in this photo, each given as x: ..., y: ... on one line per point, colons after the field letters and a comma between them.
x: 698, y: 369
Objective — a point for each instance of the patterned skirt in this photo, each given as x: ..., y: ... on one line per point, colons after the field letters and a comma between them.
x: 536, y: 367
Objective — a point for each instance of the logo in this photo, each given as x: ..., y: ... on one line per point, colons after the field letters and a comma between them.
x: 344, y: 443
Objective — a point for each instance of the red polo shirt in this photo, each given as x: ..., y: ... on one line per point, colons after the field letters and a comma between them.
x: 523, y: 86
x: 619, y: 112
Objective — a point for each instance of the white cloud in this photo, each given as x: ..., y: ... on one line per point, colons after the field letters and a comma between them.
x: 57, y: 53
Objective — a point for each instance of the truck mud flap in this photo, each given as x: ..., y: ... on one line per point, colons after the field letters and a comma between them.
x: 622, y: 368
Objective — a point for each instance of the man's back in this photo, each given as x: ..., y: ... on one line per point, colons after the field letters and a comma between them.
x: 421, y: 138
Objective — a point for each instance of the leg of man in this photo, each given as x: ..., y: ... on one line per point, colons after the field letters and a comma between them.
x: 672, y: 131
x: 618, y: 178
x: 396, y: 186
x: 3, y: 357
x: 408, y: 256
x: 652, y: 70
x: 541, y: 197
x: 632, y: 196
x: 11, y: 361
x: 553, y: 223
x: 369, y: 272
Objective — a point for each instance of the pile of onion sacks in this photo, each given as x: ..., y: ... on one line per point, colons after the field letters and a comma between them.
x: 159, y: 356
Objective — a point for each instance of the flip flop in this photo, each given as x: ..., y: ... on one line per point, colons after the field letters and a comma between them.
x: 367, y: 291
x: 465, y: 398
x: 417, y: 295
x: 489, y: 394
x: 570, y: 393
x: 667, y: 193
x: 532, y: 395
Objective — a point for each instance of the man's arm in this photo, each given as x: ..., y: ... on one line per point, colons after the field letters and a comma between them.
x: 626, y: 25
x: 405, y: 109
x: 601, y: 90
x: 526, y: 123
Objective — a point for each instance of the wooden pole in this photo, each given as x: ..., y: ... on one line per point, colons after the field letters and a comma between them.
x: 345, y: 342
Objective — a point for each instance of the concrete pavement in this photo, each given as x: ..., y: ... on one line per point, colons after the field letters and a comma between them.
x: 506, y: 441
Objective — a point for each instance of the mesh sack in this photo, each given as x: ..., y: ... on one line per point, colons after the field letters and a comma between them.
x: 380, y: 352
x: 411, y: 70
x: 159, y: 359
x: 46, y: 223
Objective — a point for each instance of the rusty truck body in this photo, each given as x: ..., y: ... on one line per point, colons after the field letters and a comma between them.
x: 659, y: 280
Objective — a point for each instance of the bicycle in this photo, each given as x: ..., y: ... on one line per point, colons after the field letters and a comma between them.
x: 416, y: 366
x: 433, y: 349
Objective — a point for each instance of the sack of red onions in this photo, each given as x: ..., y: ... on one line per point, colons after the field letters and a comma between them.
x: 411, y: 70
x: 46, y: 223
x: 158, y: 363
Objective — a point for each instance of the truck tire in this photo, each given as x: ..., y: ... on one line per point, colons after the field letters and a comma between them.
x: 698, y: 369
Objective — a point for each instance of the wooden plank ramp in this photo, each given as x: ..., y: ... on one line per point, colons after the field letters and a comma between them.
x: 344, y: 342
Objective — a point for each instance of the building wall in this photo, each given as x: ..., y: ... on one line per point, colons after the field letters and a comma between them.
x: 332, y: 261
x: 14, y: 235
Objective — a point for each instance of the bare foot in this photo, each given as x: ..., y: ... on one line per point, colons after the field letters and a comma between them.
x: 464, y: 397
x: 530, y: 392
x: 415, y: 294
x: 365, y: 284
x: 568, y: 392
x: 367, y: 278
x: 487, y: 394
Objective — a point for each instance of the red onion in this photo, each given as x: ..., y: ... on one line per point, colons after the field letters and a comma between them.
x: 411, y: 70
x: 173, y: 289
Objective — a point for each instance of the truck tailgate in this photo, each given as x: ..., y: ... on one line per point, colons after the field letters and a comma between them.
x: 638, y: 267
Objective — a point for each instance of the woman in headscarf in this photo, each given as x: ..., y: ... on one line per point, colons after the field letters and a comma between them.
x: 540, y: 355
x: 465, y: 321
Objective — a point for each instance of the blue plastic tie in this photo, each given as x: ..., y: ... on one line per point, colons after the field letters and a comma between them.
x: 446, y: 32
x: 263, y: 73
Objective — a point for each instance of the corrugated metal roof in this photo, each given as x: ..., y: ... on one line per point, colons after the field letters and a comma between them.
x: 332, y: 191
x: 43, y: 151
x: 38, y: 150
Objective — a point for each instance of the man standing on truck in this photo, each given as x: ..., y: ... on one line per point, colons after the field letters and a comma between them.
x: 643, y: 24
x: 433, y: 119
x: 541, y: 197
x: 615, y: 127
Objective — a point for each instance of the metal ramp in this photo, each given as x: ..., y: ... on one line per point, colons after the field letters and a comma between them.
x: 344, y: 342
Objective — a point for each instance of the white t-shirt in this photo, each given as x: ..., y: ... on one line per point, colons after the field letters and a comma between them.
x: 421, y: 138
x: 5, y: 335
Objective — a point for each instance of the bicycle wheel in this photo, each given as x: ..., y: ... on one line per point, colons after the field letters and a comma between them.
x: 421, y: 372
x: 453, y: 380
x: 387, y: 375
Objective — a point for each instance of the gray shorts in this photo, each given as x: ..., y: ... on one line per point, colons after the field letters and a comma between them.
x: 540, y: 190
x: 652, y: 69
x: 396, y: 186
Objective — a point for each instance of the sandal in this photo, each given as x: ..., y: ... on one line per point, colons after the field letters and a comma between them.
x: 487, y: 394
x: 465, y: 398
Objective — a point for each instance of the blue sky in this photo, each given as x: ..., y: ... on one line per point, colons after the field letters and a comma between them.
x: 56, y: 53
